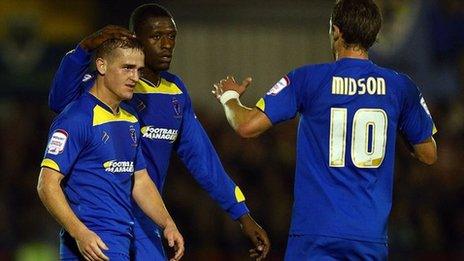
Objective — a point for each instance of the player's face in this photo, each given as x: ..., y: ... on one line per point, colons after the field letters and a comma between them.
x: 123, y: 71
x: 158, y: 36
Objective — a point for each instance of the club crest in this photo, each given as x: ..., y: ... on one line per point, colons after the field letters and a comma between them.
x: 177, y: 108
x: 133, y: 134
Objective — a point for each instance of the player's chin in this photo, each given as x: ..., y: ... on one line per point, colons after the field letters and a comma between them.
x: 163, y: 66
x: 127, y: 95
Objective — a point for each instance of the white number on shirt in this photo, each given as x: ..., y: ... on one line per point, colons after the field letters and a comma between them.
x: 368, y: 138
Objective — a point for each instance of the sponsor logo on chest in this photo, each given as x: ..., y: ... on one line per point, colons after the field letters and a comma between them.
x: 153, y: 133
x: 113, y: 166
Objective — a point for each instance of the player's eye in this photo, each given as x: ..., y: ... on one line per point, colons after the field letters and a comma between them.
x: 128, y: 68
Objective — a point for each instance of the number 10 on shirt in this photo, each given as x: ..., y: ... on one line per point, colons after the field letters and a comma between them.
x: 368, y: 138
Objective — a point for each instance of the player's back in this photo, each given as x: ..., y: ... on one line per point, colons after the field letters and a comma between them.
x: 350, y: 113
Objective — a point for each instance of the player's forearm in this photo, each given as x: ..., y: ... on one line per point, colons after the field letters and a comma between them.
x: 53, y: 198
x: 236, y: 113
x: 426, y: 151
x: 148, y: 198
x: 241, y: 118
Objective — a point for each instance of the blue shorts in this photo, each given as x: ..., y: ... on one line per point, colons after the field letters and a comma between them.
x: 118, y: 247
x: 308, y: 247
x: 147, y: 244
x: 149, y: 248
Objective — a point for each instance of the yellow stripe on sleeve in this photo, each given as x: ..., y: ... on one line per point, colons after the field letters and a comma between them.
x: 261, y: 104
x: 239, y: 195
x: 50, y: 164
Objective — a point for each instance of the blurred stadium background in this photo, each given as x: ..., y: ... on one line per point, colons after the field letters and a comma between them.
x: 263, y: 39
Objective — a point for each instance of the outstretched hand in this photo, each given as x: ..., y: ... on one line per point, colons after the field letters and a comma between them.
x: 258, y: 237
x: 94, y: 40
x: 175, y: 240
x: 229, y: 84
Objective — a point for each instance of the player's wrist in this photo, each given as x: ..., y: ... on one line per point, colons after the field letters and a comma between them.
x: 169, y: 223
x: 229, y: 95
x: 78, y: 231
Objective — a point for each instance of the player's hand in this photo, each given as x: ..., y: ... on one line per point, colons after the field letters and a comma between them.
x: 229, y: 84
x: 257, y: 235
x: 90, y: 245
x: 175, y: 240
x: 94, y: 40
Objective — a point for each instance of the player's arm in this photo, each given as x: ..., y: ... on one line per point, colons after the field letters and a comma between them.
x: 247, y: 122
x: 67, y: 82
x: 416, y: 124
x: 199, y: 156
x: 52, y: 196
x: 146, y: 195
x: 426, y: 151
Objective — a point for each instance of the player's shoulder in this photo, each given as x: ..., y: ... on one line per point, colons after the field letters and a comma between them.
x: 401, y: 78
x: 313, y: 72
x: 314, y: 68
x: 170, y: 77
x: 175, y: 79
x: 79, y: 111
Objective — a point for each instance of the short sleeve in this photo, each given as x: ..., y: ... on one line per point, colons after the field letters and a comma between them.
x: 281, y: 102
x: 415, y: 121
x: 65, y: 141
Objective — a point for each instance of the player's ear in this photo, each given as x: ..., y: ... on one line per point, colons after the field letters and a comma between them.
x: 336, y: 32
x: 101, y: 64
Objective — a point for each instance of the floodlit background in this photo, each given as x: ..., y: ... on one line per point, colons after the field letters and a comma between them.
x: 262, y: 39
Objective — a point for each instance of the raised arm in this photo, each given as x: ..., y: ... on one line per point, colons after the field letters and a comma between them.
x: 149, y: 200
x: 247, y: 122
x: 199, y: 156
x: 51, y: 194
x: 69, y: 82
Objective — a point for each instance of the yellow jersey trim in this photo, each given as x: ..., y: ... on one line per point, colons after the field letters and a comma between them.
x: 261, y: 104
x: 102, y: 116
x: 50, y: 164
x: 165, y: 87
x: 434, y: 130
x: 239, y: 195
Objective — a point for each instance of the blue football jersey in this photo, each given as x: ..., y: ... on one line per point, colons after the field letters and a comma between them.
x: 168, y: 123
x: 350, y: 113
x: 98, y: 152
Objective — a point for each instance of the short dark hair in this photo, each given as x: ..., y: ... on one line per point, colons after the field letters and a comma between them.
x: 358, y: 20
x: 141, y: 13
x: 108, y: 46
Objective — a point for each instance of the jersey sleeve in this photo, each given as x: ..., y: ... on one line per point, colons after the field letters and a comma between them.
x: 198, y: 154
x: 67, y: 84
x: 65, y: 141
x: 415, y: 120
x: 281, y: 102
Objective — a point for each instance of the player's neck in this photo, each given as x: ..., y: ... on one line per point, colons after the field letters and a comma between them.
x: 105, y: 95
x: 354, y: 53
x: 153, y: 77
